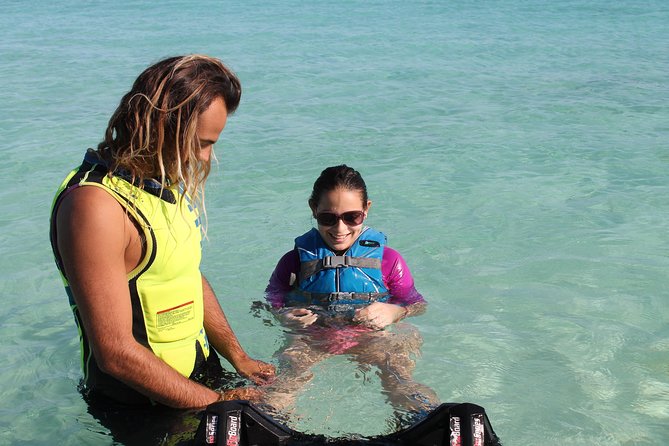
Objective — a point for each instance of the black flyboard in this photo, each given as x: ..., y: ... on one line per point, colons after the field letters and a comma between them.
x: 240, y: 423
x: 450, y: 424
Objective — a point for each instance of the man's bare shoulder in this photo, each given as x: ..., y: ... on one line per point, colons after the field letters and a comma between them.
x: 89, y: 214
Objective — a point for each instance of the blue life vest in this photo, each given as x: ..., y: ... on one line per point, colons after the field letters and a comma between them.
x: 340, y: 283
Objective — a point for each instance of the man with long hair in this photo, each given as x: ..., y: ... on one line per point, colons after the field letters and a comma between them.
x: 126, y: 233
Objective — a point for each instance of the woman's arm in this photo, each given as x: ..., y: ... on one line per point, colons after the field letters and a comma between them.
x: 281, y: 281
x: 404, y: 300
x: 280, y: 284
x: 398, y: 279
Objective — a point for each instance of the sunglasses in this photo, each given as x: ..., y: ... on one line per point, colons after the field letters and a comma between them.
x: 351, y: 218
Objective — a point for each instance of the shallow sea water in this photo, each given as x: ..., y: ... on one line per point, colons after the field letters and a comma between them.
x: 516, y: 154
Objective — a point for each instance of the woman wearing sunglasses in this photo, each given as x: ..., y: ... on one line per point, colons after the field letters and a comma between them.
x: 339, y: 288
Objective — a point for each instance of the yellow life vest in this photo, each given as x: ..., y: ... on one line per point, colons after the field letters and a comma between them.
x: 166, y: 287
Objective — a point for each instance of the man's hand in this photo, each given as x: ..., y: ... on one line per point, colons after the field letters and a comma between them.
x: 259, y: 372
x: 226, y: 343
x: 242, y: 393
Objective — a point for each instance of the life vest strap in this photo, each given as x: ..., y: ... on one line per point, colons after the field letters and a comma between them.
x: 328, y: 298
x: 311, y: 267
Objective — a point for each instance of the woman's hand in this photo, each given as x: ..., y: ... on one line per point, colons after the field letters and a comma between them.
x: 379, y: 315
x: 301, y: 317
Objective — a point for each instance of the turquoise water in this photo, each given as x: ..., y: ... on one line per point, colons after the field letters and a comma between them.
x: 515, y: 151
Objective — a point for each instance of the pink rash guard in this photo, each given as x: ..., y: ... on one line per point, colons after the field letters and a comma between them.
x: 396, y: 277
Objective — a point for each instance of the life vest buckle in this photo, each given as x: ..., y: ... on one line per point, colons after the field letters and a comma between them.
x: 336, y: 261
x: 333, y: 297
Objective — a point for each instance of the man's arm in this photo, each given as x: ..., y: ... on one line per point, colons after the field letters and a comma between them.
x: 95, y: 237
x: 223, y: 339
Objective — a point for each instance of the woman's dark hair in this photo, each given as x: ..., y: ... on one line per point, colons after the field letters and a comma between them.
x: 338, y: 177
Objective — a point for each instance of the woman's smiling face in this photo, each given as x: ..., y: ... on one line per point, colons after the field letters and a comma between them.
x: 340, y: 236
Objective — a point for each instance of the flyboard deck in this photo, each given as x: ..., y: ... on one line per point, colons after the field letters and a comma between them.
x: 240, y: 423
